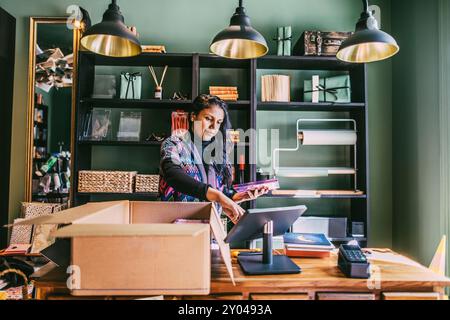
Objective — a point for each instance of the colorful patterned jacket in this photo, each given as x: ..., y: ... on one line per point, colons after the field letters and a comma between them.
x: 182, y: 151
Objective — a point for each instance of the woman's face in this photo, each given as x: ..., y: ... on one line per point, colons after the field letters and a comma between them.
x: 207, y: 123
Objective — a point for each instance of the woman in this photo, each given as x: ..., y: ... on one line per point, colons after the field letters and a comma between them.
x: 190, y: 174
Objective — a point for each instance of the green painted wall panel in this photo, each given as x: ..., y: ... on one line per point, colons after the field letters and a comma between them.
x: 188, y: 26
x: 416, y: 152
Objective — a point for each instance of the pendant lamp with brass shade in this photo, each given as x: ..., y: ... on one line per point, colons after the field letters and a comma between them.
x: 368, y: 43
x: 111, y: 37
x: 239, y: 40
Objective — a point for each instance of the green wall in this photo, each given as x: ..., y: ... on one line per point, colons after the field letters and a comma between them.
x: 416, y: 149
x: 188, y: 26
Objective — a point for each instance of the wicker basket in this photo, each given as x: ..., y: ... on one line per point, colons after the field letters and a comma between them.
x: 106, y: 181
x: 147, y: 183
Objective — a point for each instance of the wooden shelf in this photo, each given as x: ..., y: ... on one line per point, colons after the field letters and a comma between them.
x: 140, y: 143
x: 121, y: 143
x: 136, y: 103
x: 50, y: 196
x: 303, y: 63
x: 306, y: 172
x: 121, y: 196
x: 323, y: 196
x: 308, y: 106
x: 155, y: 104
x: 213, y: 61
x: 180, y: 60
x: 184, y: 60
x: 26, y: 255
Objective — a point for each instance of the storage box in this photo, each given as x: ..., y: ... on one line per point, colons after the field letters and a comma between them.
x: 133, y: 248
x: 106, y: 181
x: 147, y: 183
x: 319, y: 43
x: 34, y: 209
x: 335, y: 89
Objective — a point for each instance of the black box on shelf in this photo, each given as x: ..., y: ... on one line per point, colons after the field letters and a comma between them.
x: 332, y: 227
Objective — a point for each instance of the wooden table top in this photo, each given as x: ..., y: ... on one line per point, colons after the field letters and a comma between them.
x: 316, y: 273
x: 324, y: 273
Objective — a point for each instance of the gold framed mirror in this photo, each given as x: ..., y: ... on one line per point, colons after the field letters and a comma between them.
x: 53, y: 55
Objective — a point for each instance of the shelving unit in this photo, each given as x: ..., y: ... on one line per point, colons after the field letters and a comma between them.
x: 41, y: 143
x: 203, y: 67
x: 356, y: 205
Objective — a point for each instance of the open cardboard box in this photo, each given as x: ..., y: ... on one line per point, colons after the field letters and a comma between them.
x: 133, y: 248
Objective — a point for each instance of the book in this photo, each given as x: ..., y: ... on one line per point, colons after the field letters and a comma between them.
x: 219, y: 92
x: 275, y: 88
x: 307, y: 253
x: 307, y: 245
x: 272, y: 184
x: 220, y: 88
x: 228, y: 97
x: 187, y: 221
x: 314, y: 249
x: 153, y: 48
x: 307, y: 240
x: 17, y: 249
x: 226, y: 94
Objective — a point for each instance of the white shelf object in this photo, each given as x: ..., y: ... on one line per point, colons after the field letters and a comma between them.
x: 316, y: 193
x: 304, y: 172
x: 319, y: 138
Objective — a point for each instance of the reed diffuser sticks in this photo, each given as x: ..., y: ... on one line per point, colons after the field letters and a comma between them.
x: 158, y: 89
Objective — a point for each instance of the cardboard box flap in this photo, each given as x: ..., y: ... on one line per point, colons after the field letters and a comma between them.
x: 219, y: 235
x: 117, y: 212
x: 152, y: 211
x: 115, y: 230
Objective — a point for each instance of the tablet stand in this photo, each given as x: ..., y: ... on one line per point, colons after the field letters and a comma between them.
x: 267, y: 263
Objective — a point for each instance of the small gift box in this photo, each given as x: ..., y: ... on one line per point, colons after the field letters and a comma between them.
x: 130, y: 85
x: 284, y: 41
x: 335, y: 89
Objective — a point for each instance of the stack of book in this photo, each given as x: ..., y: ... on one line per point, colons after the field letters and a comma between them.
x: 17, y: 249
x: 307, y: 245
x: 275, y: 88
x: 153, y: 49
x: 225, y: 93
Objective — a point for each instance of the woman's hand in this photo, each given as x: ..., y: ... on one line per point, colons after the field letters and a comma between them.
x: 250, y: 195
x: 231, y: 208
